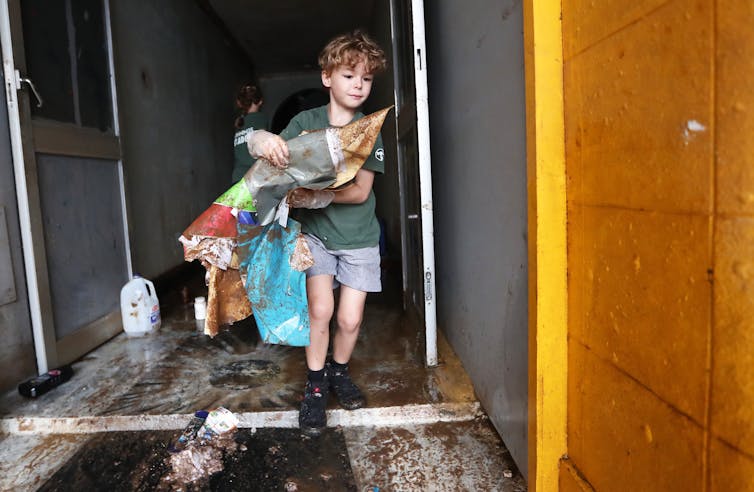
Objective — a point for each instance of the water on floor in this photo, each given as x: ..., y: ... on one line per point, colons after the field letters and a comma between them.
x: 179, y: 370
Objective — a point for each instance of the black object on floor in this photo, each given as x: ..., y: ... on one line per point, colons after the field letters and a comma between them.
x: 269, y: 459
x: 45, y: 382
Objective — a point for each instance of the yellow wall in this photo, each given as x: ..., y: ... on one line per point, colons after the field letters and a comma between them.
x: 546, y: 194
x: 659, y: 129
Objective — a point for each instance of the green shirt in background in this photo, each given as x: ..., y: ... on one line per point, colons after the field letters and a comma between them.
x: 339, y: 225
x: 242, y: 160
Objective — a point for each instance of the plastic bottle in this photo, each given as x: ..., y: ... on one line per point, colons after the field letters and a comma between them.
x: 189, y: 432
x: 218, y: 421
x: 139, y: 307
x: 45, y: 382
x: 200, y: 308
x: 200, y: 312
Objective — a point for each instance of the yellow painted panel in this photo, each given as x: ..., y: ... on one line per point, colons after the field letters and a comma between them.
x: 543, y: 49
x: 571, y: 479
x: 733, y: 335
x: 638, y: 115
x: 735, y: 106
x: 568, y: 483
x: 639, y: 296
x: 730, y: 470
x: 586, y: 22
x: 622, y: 437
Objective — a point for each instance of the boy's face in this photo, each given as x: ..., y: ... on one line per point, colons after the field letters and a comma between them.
x: 349, y: 86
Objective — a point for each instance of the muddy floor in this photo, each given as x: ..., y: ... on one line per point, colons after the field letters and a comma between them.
x: 170, y: 374
x: 267, y: 459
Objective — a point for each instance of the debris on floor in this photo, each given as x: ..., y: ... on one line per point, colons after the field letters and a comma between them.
x: 268, y: 459
x: 199, y: 459
x: 199, y: 450
x: 40, y: 385
x: 189, y: 433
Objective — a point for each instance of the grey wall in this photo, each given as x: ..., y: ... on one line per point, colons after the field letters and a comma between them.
x: 277, y: 87
x: 17, y: 360
x: 176, y: 78
x: 477, y: 124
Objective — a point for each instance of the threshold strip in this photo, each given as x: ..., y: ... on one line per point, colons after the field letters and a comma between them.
x: 364, y: 417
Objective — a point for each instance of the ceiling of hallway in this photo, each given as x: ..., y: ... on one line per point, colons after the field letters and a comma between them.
x: 287, y: 35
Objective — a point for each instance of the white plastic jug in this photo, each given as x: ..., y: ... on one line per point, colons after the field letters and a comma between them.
x: 139, y: 307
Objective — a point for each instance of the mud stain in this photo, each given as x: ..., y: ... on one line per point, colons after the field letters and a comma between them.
x: 442, y: 456
x: 244, y: 374
x: 269, y: 459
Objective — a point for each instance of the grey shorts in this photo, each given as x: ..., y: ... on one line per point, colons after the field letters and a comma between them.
x: 356, y: 268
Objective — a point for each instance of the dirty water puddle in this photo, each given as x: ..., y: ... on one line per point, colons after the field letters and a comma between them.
x: 244, y: 374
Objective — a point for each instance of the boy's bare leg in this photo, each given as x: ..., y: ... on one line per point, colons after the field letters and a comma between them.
x: 312, y: 417
x: 321, y: 305
x: 350, y: 315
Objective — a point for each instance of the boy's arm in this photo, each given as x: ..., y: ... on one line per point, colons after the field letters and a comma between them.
x: 359, y: 191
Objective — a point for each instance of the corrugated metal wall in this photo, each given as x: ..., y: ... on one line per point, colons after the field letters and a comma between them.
x: 660, y: 244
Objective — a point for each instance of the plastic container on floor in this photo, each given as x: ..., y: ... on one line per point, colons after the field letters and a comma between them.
x: 45, y: 382
x: 139, y: 307
x: 200, y: 308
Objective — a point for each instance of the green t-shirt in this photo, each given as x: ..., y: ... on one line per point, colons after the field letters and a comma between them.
x: 339, y: 225
x: 242, y: 160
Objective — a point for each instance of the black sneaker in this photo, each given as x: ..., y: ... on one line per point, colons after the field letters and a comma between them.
x: 348, y: 394
x: 312, y: 418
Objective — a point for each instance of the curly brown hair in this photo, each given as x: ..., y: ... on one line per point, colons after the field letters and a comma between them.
x: 351, y: 48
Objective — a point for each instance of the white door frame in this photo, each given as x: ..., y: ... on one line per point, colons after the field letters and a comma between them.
x: 12, y: 85
x: 418, y: 58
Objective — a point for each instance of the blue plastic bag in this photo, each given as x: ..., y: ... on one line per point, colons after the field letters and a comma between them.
x: 276, y: 291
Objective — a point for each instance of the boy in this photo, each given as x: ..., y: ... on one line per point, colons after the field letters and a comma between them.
x: 340, y: 227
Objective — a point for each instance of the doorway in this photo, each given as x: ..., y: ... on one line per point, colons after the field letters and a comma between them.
x: 65, y: 140
x: 177, y: 65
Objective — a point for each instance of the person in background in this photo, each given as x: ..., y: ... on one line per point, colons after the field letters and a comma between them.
x: 340, y: 227
x: 248, y: 100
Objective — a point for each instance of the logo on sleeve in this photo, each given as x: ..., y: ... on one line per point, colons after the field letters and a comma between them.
x: 241, y: 136
x: 380, y: 154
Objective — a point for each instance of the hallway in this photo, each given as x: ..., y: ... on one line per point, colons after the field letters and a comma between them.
x: 109, y: 426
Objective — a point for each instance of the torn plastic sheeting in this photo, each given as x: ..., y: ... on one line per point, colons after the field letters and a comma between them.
x: 220, y: 219
x: 310, y: 166
x: 217, y: 251
x: 276, y: 290
x: 210, y: 238
x: 227, y: 301
x: 320, y: 159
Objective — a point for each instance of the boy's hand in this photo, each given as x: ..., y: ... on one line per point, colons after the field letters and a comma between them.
x: 269, y: 146
x: 305, y: 198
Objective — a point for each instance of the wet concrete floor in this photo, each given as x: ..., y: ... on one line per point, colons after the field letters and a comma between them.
x: 168, y: 375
